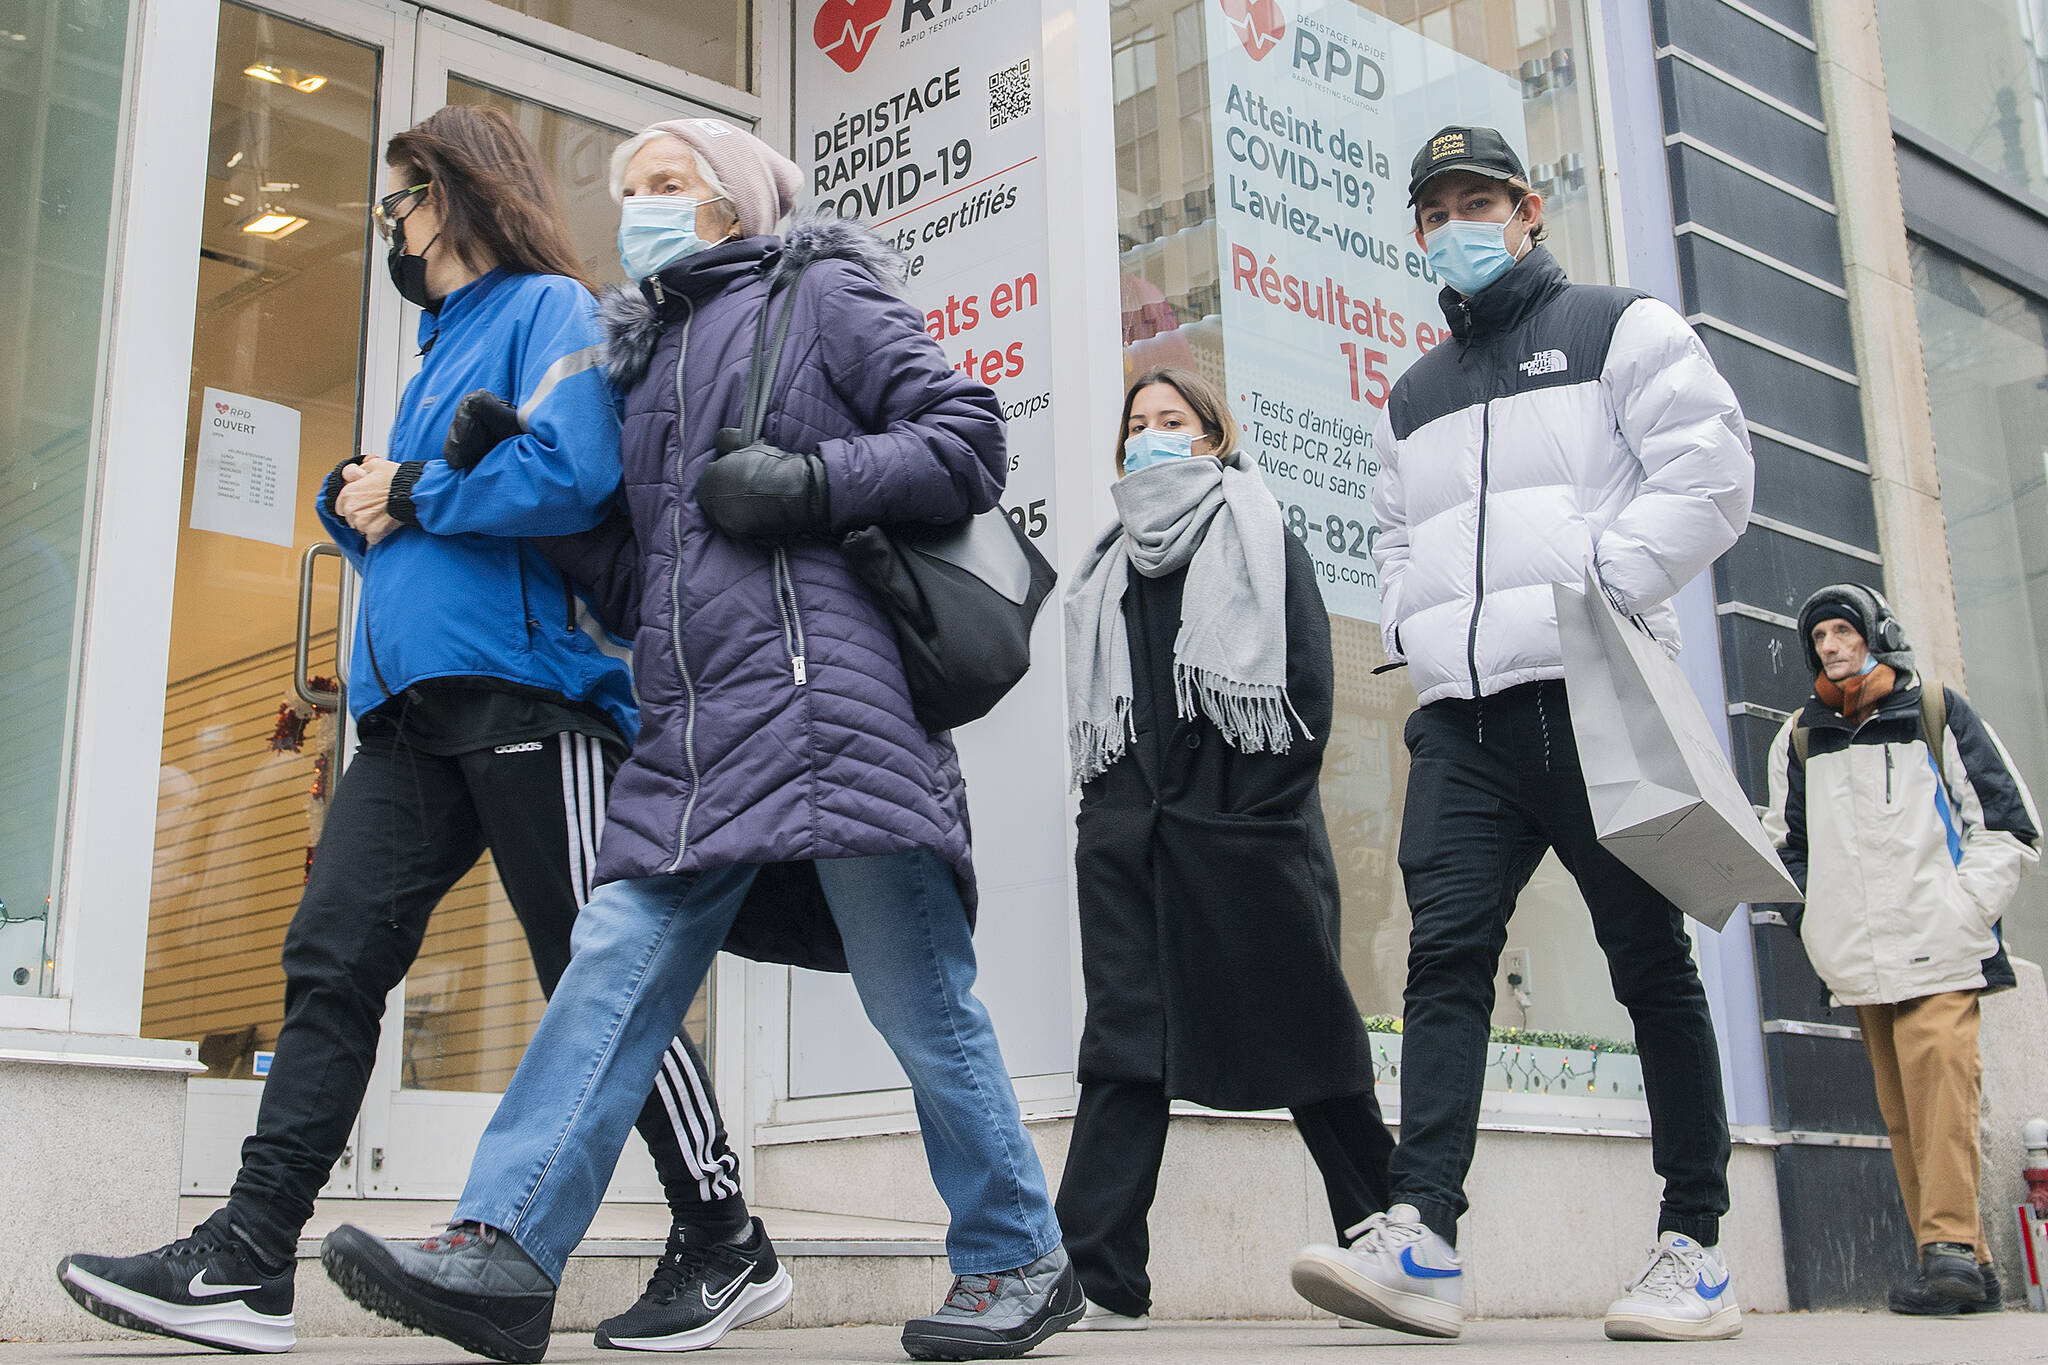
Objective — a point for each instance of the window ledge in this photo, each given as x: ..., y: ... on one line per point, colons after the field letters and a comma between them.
x: 56, y: 1048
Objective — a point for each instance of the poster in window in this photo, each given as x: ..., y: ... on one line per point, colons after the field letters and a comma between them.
x: 1316, y: 108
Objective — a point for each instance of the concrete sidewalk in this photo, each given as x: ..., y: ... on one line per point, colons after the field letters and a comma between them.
x: 1773, y: 1339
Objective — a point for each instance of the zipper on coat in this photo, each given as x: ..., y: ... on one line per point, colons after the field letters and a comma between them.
x: 792, y: 617
x: 1887, y: 774
x: 525, y: 607
x: 675, y: 599
x: 1479, y: 563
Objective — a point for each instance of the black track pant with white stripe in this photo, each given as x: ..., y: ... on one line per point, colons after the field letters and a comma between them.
x: 403, y: 828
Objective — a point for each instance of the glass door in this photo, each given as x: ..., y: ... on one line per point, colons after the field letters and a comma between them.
x: 282, y: 338
x: 300, y: 352
x: 471, y: 1002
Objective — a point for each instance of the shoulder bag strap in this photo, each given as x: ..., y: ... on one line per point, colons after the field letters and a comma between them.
x: 767, y: 357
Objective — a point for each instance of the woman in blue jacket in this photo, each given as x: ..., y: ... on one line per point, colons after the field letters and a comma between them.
x: 486, y: 719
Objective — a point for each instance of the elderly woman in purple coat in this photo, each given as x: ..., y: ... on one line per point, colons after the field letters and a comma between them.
x: 782, y: 799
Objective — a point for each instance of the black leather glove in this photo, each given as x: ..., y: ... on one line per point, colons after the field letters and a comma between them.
x: 765, y: 494
x: 481, y: 421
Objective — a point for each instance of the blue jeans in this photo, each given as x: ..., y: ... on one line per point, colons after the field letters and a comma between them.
x: 641, y: 950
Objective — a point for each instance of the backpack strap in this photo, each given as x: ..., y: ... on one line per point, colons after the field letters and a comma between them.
x: 1802, y: 740
x: 1934, y: 724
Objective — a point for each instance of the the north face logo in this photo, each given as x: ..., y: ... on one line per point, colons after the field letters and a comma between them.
x: 1544, y: 362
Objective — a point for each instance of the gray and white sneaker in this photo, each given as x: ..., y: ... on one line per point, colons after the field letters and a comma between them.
x: 1096, y: 1318
x: 471, y: 1285
x: 998, y: 1317
x: 1396, y: 1273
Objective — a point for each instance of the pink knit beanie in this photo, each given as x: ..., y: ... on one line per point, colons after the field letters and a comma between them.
x: 760, y: 182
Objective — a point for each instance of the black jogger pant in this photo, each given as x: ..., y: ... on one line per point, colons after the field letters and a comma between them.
x: 1491, y: 785
x: 403, y: 828
x: 1113, y: 1171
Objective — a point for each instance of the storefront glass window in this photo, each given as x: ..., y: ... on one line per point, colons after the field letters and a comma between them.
x: 713, y: 38
x: 1262, y: 163
x: 1986, y: 349
x: 1973, y: 74
x: 61, y: 90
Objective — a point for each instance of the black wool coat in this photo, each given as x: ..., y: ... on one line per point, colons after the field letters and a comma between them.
x: 1209, y: 899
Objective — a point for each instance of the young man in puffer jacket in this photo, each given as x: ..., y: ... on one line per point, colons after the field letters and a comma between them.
x: 1901, y: 816
x: 1563, y: 428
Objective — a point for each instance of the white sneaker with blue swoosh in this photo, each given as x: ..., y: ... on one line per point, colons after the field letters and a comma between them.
x: 1395, y: 1273
x: 1682, y: 1295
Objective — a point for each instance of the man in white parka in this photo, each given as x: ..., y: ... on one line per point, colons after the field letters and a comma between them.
x: 1562, y: 428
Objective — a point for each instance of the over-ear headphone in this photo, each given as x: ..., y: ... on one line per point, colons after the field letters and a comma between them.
x: 1890, y: 635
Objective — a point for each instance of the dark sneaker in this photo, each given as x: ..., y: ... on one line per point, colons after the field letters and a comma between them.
x: 699, y: 1292
x: 471, y: 1285
x: 206, y: 1288
x: 1915, y: 1299
x: 997, y: 1317
x: 1950, y: 1268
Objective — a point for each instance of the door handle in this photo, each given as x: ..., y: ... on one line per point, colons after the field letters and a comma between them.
x: 302, y: 645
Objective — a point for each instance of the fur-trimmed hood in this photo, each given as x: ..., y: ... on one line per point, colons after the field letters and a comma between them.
x: 632, y: 322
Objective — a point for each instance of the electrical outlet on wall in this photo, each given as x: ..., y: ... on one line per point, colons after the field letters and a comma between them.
x: 1514, y: 966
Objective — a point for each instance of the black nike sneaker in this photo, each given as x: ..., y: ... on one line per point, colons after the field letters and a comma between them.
x: 471, y: 1285
x: 207, y: 1288
x: 700, y: 1292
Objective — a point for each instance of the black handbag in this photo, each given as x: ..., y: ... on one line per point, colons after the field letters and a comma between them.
x: 962, y: 598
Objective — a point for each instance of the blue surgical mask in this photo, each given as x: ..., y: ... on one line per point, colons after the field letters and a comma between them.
x: 1869, y: 665
x: 1149, y: 447
x: 1469, y: 256
x: 656, y: 231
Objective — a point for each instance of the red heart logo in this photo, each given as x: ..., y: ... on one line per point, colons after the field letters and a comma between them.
x: 845, y: 30
x: 220, y: 407
x: 1258, y: 24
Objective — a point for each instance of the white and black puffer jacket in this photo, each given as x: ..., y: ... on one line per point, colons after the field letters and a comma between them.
x: 1907, y: 862
x: 1564, y: 427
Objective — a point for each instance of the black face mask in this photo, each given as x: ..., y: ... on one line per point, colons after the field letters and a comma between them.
x: 409, y: 273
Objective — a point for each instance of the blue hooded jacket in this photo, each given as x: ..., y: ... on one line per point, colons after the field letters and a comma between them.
x: 456, y: 592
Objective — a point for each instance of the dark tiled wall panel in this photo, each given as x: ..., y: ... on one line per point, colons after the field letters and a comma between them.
x: 1749, y: 744
x: 1786, y: 982
x: 1818, y: 494
x: 1753, y: 296
x: 1763, y: 663
x: 1726, y: 118
x: 1846, y: 1235
x: 1793, y: 14
x: 1775, y: 571
x: 1821, y: 1085
x: 1788, y: 396
x: 1745, y: 49
x: 1716, y: 195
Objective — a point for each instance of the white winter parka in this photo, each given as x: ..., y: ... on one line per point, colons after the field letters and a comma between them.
x: 1565, y: 427
x: 1906, y: 873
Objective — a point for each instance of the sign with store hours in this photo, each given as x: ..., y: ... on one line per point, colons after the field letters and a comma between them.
x: 1316, y: 107
x: 247, y: 482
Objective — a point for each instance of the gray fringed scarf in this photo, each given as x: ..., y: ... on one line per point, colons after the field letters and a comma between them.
x: 1230, y: 656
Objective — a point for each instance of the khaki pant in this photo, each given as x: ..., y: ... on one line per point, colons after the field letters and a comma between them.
x: 1929, y: 1079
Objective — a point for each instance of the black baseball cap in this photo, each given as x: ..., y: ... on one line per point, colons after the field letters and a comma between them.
x: 1482, y: 151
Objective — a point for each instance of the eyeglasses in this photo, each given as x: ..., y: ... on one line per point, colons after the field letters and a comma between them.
x: 384, y: 213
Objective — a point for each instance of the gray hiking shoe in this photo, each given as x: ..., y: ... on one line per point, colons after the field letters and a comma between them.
x: 471, y: 1285
x: 997, y: 1317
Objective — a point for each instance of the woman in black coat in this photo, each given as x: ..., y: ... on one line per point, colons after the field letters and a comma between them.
x: 1200, y: 681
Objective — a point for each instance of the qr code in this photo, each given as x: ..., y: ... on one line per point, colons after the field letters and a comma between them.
x: 1009, y: 94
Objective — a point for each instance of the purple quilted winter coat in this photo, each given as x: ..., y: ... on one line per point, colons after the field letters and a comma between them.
x: 775, y: 725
